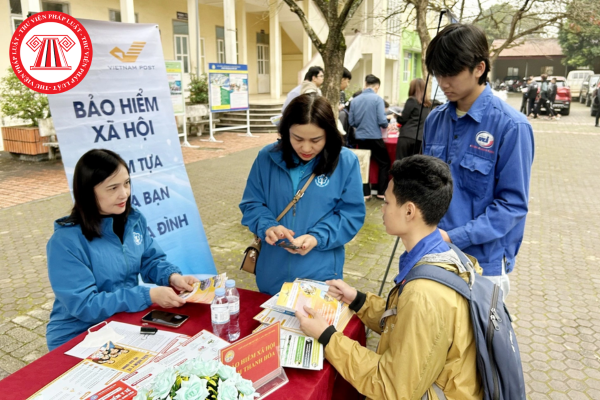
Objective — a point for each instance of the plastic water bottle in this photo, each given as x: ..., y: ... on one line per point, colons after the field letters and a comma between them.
x: 219, y: 314
x: 233, y: 298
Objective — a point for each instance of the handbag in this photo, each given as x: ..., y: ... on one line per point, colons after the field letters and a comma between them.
x: 253, y: 251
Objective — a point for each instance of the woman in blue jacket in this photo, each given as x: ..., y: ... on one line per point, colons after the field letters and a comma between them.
x: 329, y: 214
x: 96, y: 253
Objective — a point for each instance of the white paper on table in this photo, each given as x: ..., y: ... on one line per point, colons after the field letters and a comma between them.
x: 309, y: 356
x: 80, y: 382
x: 131, y: 338
x: 270, y: 317
x: 203, y: 345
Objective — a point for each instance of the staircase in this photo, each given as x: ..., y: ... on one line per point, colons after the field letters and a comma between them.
x: 260, y: 115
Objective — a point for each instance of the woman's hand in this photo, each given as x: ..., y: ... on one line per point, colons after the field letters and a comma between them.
x: 276, y: 233
x: 165, y: 297
x: 305, y: 243
x: 182, y: 283
x: 313, y: 327
x: 340, y: 290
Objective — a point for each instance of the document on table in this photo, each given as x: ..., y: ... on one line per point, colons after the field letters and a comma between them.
x: 298, y: 351
x: 270, y: 317
x: 131, y: 338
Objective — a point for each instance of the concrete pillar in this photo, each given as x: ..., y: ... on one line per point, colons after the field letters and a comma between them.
x: 242, y: 31
x: 194, y: 37
x: 230, y: 40
x: 275, y: 49
x: 307, y: 45
x: 127, y: 11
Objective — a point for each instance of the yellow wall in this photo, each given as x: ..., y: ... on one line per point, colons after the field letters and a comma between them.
x: 5, y: 36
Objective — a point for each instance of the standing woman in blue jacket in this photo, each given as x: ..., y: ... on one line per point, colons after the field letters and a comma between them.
x: 96, y: 253
x: 329, y: 214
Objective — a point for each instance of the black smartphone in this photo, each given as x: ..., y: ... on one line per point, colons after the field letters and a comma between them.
x: 287, y: 245
x: 165, y: 318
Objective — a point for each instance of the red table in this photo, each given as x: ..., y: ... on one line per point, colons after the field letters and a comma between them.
x: 390, y: 145
x: 303, y: 384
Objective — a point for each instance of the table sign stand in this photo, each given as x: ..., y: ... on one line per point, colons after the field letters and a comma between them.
x: 256, y: 358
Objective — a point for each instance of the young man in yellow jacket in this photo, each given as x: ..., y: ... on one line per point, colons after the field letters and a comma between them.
x: 427, y: 348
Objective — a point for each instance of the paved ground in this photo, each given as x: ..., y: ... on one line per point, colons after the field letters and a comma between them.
x: 555, y: 288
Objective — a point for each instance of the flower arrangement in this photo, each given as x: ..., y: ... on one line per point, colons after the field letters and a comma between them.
x: 198, y: 380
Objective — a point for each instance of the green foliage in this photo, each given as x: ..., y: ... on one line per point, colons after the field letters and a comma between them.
x: 198, y: 89
x: 579, y: 37
x: 17, y: 100
x: 351, y: 89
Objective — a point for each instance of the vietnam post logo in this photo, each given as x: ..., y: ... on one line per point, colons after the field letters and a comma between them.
x: 132, y: 54
x: 485, y: 139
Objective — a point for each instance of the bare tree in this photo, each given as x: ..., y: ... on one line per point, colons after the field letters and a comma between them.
x: 336, y: 13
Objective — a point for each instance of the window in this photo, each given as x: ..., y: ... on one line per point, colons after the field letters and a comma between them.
x: 115, y: 16
x: 202, y: 55
x: 513, y: 71
x: 15, y: 7
x: 263, y: 59
x: 220, y: 44
x: 182, y: 51
x: 55, y: 6
x: 407, y: 66
x: 549, y: 70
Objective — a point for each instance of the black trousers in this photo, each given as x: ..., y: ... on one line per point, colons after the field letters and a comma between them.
x: 597, y: 115
x: 524, y: 105
x: 546, y: 103
x: 379, y: 155
x: 406, y: 147
x: 531, y: 106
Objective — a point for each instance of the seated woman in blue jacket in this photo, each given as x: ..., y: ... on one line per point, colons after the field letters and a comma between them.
x: 96, y: 253
x: 329, y: 214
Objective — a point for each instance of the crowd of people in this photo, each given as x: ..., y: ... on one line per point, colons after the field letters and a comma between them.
x: 468, y: 190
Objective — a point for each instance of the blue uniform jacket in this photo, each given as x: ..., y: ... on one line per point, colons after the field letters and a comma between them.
x: 490, y: 152
x: 332, y: 210
x: 93, y: 280
x: 367, y: 115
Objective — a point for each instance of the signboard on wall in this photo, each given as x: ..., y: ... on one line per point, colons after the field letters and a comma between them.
x: 174, y: 77
x: 228, y: 87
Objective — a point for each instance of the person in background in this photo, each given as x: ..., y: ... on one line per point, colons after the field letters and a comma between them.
x: 597, y: 103
x: 489, y: 147
x: 414, y: 113
x: 523, y: 108
x: 367, y: 115
x: 96, y: 254
x: 345, y: 82
x: 329, y: 214
x: 543, y: 100
x: 532, y: 92
x: 315, y: 75
x: 552, y: 90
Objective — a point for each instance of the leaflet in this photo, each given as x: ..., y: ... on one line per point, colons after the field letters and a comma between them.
x: 204, y: 291
x: 272, y: 304
x: 287, y: 322
x: 295, y: 295
x: 131, y: 338
x: 298, y: 351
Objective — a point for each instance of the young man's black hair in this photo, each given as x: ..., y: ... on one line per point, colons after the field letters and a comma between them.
x: 456, y: 47
x: 372, y: 80
x: 312, y: 72
x: 427, y: 182
x: 347, y: 74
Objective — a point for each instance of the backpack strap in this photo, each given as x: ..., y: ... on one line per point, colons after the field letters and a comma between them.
x: 440, y: 275
x: 465, y: 262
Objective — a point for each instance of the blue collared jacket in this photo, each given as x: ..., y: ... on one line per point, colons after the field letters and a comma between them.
x: 93, y: 280
x: 332, y: 210
x: 367, y: 115
x: 490, y: 152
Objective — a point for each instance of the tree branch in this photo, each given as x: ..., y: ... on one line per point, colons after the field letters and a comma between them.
x: 321, y: 5
x: 348, y: 11
x: 309, y: 30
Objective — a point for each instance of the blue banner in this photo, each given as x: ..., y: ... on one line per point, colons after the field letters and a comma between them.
x: 124, y: 104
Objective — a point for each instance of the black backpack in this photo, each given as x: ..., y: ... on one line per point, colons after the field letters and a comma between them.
x: 532, y: 91
x: 498, y: 356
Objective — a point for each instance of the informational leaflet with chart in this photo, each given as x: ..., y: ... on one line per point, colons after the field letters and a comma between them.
x: 299, y: 351
x: 295, y: 295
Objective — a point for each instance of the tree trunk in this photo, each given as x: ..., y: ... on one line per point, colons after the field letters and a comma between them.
x: 333, y: 58
x: 422, y: 30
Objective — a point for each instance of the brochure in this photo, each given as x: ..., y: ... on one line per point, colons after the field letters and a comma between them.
x: 295, y: 295
x: 287, y: 322
x: 204, y: 291
x: 299, y: 351
x: 272, y: 305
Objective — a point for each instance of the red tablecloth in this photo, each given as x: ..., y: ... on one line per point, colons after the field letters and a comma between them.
x: 303, y: 384
x: 390, y: 144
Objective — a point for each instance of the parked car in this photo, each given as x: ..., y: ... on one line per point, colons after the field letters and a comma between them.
x: 587, y: 87
x: 575, y: 78
x: 595, y: 93
x: 562, y: 103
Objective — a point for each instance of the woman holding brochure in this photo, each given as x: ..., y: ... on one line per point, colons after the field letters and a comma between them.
x: 96, y: 253
x: 330, y: 212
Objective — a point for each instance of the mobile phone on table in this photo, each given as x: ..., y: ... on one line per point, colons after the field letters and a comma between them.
x: 287, y: 245
x: 165, y: 318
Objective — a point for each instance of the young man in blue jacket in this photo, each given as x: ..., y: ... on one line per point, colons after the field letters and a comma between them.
x: 489, y: 148
x: 367, y: 115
